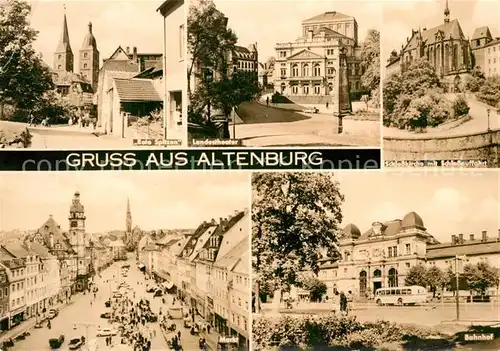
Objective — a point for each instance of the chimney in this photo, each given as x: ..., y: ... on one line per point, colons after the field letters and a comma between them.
x: 128, y: 50
x: 484, y: 235
x: 51, y: 240
x: 460, y: 238
x: 453, y: 239
x: 213, y: 221
x: 221, y: 220
x: 134, y: 55
x: 471, y: 237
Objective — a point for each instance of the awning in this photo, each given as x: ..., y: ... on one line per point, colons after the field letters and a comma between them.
x: 162, y: 274
x: 168, y: 285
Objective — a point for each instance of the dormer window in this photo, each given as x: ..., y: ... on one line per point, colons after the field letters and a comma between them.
x: 377, y: 228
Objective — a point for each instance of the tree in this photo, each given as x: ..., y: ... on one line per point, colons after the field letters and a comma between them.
x: 480, y: 277
x: 209, y: 40
x: 230, y: 92
x: 25, y: 78
x: 295, y: 216
x: 270, y: 62
x: 417, y: 275
x: 436, y: 278
x: 370, y: 61
x: 489, y: 92
x: 416, y: 80
x: 315, y: 287
x: 476, y: 80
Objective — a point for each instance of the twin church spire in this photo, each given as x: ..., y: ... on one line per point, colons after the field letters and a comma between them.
x: 88, y: 54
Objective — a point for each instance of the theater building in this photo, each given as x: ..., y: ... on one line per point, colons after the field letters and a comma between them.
x: 309, y: 66
x: 382, y: 255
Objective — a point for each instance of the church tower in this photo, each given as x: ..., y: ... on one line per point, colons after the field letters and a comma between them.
x: 129, y: 223
x: 77, y: 236
x: 63, y: 57
x: 89, y: 59
x: 446, y: 13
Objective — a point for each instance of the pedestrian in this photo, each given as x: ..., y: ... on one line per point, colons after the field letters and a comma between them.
x: 208, y: 328
x: 343, y: 303
x: 179, y: 334
x: 327, y: 105
x: 267, y: 101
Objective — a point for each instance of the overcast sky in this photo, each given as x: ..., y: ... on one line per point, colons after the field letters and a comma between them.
x: 157, y: 199
x: 271, y: 22
x: 125, y: 23
x: 401, y: 16
x: 449, y: 203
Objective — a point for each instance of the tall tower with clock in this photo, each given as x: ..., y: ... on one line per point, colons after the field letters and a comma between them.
x: 77, y: 236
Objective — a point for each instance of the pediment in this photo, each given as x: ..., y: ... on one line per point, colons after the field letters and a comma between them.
x: 305, y: 54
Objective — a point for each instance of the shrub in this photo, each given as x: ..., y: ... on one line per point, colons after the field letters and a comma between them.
x: 460, y: 106
x: 490, y: 91
x: 328, y: 331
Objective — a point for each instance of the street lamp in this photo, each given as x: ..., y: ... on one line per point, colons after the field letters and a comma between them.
x: 488, y: 113
x: 457, y: 276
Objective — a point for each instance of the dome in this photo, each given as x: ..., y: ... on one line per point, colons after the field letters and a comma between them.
x: 412, y: 219
x: 351, y: 231
x: 89, y: 40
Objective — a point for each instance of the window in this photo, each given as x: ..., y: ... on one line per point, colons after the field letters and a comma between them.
x: 85, y: 65
x: 389, y: 252
x: 408, y: 249
x: 317, y: 89
x: 181, y: 41
x: 85, y: 55
x: 295, y: 70
x: 407, y: 265
x: 305, y: 89
x: 305, y: 71
x: 295, y: 89
x: 59, y: 66
x: 330, y: 52
x: 283, y: 72
x: 317, y: 70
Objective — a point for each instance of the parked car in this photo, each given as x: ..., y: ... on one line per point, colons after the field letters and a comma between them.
x: 158, y: 293
x: 106, y: 332
x: 56, y: 343
x: 75, y: 344
x: 107, y: 304
x: 150, y: 289
x: 53, y: 312
x: 310, y: 110
x: 106, y: 315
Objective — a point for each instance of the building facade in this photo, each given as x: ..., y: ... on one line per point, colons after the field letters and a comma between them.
x: 383, y: 255
x: 486, y: 51
x: 4, y: 298
x: 174, y: 69
x: 309, y: 67
x: 16, y: 274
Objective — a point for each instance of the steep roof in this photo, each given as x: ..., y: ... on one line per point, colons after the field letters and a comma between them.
x: 136, y: 90
x: 201, y: 241
x: 89, y: 40
x: 120, y: 66
x: 16, y: 249
x: 327, y: 17
x: 481, y: 32
x: 448, y: 30
x: 468, y: 248
x: 40, y: 250
x: 237, y: 253
x: 64, y: 43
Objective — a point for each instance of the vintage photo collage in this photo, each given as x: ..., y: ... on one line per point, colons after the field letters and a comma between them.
x: 399, y: 258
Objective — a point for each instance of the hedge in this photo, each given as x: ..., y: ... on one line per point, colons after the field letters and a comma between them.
x: 328, y: 331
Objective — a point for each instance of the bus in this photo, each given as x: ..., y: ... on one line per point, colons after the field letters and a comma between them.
x: 405, y: 295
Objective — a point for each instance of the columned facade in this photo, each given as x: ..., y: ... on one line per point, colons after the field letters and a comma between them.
x: 308, y: 67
